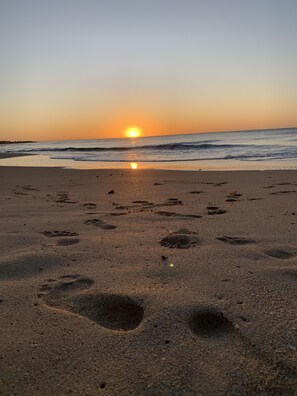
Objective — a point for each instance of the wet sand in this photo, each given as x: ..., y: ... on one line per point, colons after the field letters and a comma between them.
x: 139, y: 282
x: 12, y: 155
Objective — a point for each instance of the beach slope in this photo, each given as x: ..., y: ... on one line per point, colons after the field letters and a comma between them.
x: 139, y: 282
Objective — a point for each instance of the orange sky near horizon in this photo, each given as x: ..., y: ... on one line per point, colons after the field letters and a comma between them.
x: 74, y: 133
x: 180, y: 121
x: 108, y: 65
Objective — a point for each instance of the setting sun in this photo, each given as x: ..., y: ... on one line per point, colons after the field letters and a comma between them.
x: 134, y: 165
x: 133, y: 132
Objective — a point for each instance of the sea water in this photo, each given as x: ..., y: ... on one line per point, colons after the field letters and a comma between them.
x: 261, y: 149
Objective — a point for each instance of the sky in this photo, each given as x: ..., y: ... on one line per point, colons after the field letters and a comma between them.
x: 85, y: 69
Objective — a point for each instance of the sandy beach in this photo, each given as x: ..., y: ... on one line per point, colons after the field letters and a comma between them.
x: 148, y: 282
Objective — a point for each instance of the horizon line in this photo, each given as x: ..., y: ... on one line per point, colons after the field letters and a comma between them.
x: 174, y: 134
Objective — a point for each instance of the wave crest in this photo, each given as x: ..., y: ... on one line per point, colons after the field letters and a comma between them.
x: 159, y: 147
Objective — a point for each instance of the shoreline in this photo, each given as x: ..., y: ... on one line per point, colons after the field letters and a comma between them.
x: 144, y: 170
x: 23, y: 160
x: 13, y: 155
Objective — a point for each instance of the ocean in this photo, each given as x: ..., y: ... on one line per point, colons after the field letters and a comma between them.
x: 261, y: 149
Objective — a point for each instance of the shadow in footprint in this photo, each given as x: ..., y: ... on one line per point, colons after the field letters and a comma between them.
x: 172, y: 202
x: 67, y: 242
x: 57, y: 234
x: 280, y: 254
x: 195, y: 192
x: 233, y: 197
x: 209, y: 322
x: 62, y: 197
x: 283, y: 192
x: 118, y: 214
x: 165, y: 213
x: 101, y: 224
x: 290, y: 273
x: 178, y: 215
x: 115, y: 312
x: 214, y: 210
x: 89, y: 205
x: 188, y: 216
x: 30, y: 188
x: 235, y: 240
x: 181, y: 239
x: 228, y: 353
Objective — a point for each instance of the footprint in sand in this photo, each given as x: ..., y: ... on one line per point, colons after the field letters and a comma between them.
x: 111, y: 311
x: 178, y: 215
x: 286, y: 184
x: 235, y: 240
x: 165, y: 213
x: 283, y: 192
x: 215, y: 210
x: 219, y: 184
x: 289, y: 273
x: 61, y: 288
x: 195, y: 192
x: 280, y: 254
x: 18, y: 192
x: 118, y: 214
x: 30, y: 188
x: 188, y: 216
x: 67, y: 242
x: 144, y: 204
x: 137, y: 206
x: 56, y: 234
x: 233, y: 196
x: 209, y: 322
x: 181, y: 239
x: 219, y: 337
x: 172, y: 202
x: 141, y: 205
x: 89, y: 205
x: 62, y: 197
x: 101, y: 224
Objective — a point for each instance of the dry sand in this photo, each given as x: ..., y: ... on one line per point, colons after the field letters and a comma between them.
x: 145, y: 282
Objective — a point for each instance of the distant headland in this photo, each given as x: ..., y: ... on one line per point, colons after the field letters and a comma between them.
x: 16, y: 141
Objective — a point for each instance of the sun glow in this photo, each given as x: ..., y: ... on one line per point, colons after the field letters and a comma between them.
x: 133, y: 132
x: 134, y: 165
